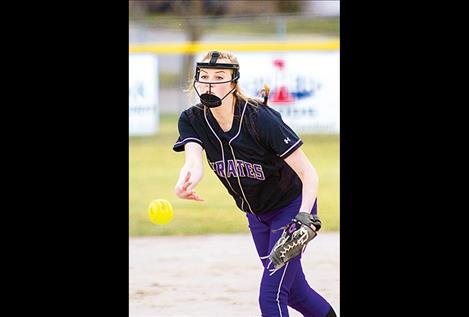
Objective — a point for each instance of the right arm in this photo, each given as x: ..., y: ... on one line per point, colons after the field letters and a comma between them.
x: 191, y: 172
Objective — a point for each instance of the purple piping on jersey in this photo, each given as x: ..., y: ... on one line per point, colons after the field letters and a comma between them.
x: 291, y: 147
x: 187, y: 139
x: 234, y: 157
x: 222, y: 156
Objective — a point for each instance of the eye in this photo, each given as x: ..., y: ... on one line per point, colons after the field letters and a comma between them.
x: 204, y: 76
x: 219, y: 78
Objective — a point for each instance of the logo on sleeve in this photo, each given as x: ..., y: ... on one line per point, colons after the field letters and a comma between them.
x: 287, y: 140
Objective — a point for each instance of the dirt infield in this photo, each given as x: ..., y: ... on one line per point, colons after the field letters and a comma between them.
x: 176, y: 276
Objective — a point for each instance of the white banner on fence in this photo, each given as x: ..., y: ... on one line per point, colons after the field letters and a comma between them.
x: 304, y: 86
x: 143, y: 94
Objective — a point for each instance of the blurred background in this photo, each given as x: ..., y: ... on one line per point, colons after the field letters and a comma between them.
x: 293, y: 46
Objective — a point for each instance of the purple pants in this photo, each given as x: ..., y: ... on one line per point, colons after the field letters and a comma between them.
x: 287, y: 286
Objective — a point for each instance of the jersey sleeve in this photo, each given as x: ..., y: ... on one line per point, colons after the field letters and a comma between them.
x: 277, y: 135
x: 186, y: 133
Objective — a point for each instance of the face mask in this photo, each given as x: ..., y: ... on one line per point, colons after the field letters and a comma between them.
x: 208, y: 99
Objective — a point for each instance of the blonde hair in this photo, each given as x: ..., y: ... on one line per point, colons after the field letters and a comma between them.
x: 238, y: 92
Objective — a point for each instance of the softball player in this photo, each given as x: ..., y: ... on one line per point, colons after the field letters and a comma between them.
x: 258, y: 159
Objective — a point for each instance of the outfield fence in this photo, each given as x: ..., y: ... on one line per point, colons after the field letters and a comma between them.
x: 303, y: 77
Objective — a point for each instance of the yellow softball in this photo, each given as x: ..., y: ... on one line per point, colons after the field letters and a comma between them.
x: 160, y: 211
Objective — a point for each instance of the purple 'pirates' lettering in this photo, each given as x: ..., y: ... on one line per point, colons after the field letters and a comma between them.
x: 231, y: 170
x: 240, y: 169
x: 249, y: 170
x: 259, y: 172
x: 220, y: 168
x: 240, y: 165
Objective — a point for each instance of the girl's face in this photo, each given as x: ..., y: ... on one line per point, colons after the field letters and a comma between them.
x: 214, y: 76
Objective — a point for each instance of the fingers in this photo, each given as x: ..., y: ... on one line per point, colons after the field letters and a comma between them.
x: 186, y: 182
x: 196, y: 197
x: 185, y: 185
x: 183, y: 191
x: 191, y: 195
x: 181, y: 188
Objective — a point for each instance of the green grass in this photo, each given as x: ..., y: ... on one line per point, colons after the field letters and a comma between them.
x: 168, y: 80
x: 154, y: 169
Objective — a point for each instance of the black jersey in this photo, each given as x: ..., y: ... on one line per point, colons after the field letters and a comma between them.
x: 248, y: 159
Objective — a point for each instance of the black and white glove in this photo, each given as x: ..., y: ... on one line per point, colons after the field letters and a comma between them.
x: 296, y: 235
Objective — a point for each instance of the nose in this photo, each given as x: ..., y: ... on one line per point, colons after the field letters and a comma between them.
x: 208, y: 87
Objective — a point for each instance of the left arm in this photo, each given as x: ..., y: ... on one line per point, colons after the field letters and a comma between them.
x: 309, y: 177
x: 295, y: 238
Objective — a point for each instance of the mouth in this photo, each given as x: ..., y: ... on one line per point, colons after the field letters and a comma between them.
x: 210, y: 100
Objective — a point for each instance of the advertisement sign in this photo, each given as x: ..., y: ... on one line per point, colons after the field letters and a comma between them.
x: 143, y: 94
x: 304, y: 86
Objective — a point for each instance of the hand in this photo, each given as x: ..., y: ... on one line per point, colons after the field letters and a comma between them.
x: 183, y: 192
x: 293, y: 240
x: 310, y: 220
